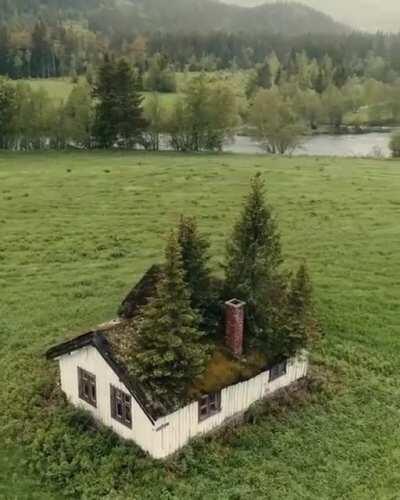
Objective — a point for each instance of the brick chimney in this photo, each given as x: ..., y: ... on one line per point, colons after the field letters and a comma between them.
x: 234, y: 321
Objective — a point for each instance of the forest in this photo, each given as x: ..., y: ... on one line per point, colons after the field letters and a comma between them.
x: 308, y: 81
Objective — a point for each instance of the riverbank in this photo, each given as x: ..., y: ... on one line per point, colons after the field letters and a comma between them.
x: 374, y: 145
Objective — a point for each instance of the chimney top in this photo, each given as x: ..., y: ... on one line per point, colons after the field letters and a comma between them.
x: 234, y: 329
x: 235, y: 303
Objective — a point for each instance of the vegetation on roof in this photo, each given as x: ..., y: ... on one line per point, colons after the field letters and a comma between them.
x: 170, y: 342
x: 224, y: 370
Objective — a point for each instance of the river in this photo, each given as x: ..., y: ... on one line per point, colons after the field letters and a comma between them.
x: 374, y: 144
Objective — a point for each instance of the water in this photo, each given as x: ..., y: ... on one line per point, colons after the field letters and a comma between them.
x: 358, y: 145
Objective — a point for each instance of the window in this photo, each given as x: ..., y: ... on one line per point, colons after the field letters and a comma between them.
x: 278, y: 371
x: 87, y: 387
x: 209, y: 405
x: 121, y: 407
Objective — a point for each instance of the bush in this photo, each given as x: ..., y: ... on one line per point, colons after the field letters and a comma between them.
x: 395, y: 145
x: 81, y: 460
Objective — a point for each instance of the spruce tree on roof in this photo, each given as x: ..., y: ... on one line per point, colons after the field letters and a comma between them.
x: 253, y: 258
x: 169, y: 353
x: 194, y: 248
x: 205, y: 291
x: 303, y: 327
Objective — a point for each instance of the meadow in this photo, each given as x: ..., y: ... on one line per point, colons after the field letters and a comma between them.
x: 78, y: 229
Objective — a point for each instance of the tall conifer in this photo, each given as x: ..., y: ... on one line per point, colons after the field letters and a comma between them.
x: 194, y: 248
x: 169, y: 353
x: 300, y: 311
x: 253, y: 258
x: 119, y: 113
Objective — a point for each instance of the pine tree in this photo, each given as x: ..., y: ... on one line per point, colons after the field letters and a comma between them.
x: 194, y: 248
x: 128, y: 105
x: 264, y: 76
x: 252, y: 264
x: 119, y: 113
x: 105, y: 127
x: 169, y: 353
x: 41, y: 51
x: 300, y: 311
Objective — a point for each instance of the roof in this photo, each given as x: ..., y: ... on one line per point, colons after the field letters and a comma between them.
x: 98, y: 340
x: 115, y: 342
x: 140, y: 293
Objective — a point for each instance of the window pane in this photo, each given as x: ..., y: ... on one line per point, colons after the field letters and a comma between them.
x: 119, y: 409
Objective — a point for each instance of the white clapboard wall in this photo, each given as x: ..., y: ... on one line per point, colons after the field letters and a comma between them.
x: 168, y: 434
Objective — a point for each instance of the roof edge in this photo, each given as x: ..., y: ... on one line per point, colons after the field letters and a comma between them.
x: 97, y: 340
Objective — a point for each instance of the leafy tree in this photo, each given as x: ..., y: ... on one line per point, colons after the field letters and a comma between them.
x: 159, y: 78
x: 223, y: 116
x: 395, y: 145
x: 179, y: 127
x: 276, y: 126
x: 155, y: 115
x: 335, y: 106
x: 308, y: 106
x: 78, y: 112
x: 7, y: 110
x: 253, y: 259
x: 169, y: 355
x: 204, y: 117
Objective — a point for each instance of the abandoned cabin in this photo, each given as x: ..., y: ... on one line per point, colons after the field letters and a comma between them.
x: 94, y: 376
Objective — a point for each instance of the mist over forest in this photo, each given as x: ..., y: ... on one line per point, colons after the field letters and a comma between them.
x: 370, y: 15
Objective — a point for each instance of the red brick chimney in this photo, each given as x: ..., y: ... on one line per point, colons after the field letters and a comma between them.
x: 234, y: 321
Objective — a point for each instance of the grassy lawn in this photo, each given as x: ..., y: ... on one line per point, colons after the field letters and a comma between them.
x: 57, y: 88
x: 78, y: 229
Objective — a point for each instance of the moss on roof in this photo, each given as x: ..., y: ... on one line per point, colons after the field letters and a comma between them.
x: 224, y: 370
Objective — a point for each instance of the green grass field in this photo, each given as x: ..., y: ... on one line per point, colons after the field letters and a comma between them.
x: 78, y: 229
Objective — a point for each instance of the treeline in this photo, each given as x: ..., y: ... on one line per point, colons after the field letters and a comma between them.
x: 45, y: 51
x: 112, y: 113
x: 51, y: 49
x: 352, y: 55
x: 280, y: 109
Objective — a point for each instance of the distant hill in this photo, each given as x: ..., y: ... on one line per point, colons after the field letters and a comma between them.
x: 369, y: 15
x: 127, y: 16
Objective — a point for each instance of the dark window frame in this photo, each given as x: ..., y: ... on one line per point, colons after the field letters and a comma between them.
x: 209, y: 405
x: 87, y: 387
x: 121, y: 406
x: 278, y: 371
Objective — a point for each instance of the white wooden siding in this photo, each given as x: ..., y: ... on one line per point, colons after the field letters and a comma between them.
x: 91, y: 360
x: 173, y: 431
x: 184, y: 424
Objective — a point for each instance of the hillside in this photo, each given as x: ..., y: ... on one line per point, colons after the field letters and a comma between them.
x: 130, y: 16
x: 369, y: 15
